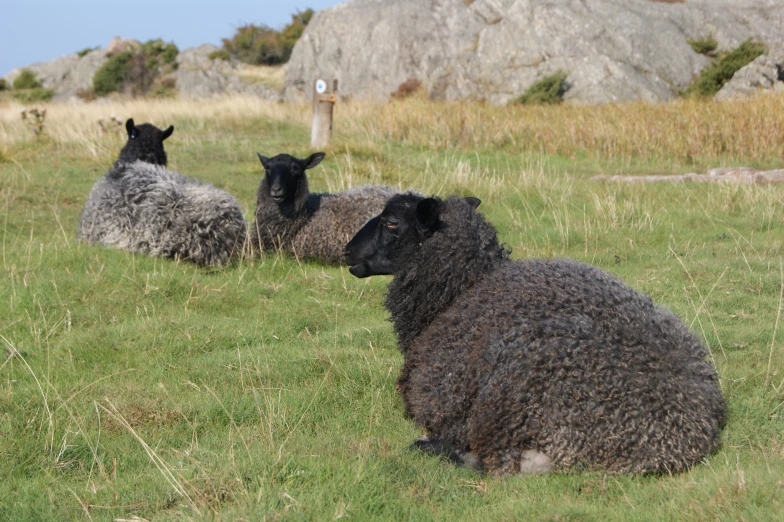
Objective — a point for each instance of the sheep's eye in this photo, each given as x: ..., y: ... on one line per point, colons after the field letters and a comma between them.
x: 134, y: 133
x: 391, y: 225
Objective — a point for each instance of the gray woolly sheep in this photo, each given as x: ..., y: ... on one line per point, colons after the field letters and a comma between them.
x: 312, y: 226
x: 142, y: 207
x: 537, y: 365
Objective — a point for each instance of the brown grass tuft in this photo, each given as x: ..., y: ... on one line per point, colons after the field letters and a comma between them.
x: 407, y: 88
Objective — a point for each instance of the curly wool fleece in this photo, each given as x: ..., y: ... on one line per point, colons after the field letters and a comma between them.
x: 319, y: 225
x: 552, y: 358
x: 148, y: 209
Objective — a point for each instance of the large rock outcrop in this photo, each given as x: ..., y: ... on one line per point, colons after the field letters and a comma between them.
x: 612, y: 50
x: 196, y: 76
x: 66, y: 75
x: 200, y: 77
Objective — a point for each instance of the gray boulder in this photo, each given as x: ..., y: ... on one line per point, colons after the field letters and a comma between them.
x: 196, y: 76
x: 612, y: 50
x: 200, y: 77
x: 65, y: 75
x: 765, y: 74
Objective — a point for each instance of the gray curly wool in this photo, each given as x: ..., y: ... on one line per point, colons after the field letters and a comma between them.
x: 307, y: 225
x: 542, y: 364
x: 145, y: 208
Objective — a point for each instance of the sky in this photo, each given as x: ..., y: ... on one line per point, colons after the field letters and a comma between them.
x: 42, y: 30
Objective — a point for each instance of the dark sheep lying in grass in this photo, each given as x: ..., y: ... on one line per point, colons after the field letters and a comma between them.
x: 142, y: 207
x: 533, y: 365
x: 312, y: 226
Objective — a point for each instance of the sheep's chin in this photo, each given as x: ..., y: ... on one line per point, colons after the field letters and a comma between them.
x: 360, y: 270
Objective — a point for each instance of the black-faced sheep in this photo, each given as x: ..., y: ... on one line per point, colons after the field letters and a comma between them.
x: 313, y: 226
x: 530, y: 366
x: 145, y: 143
x: 142, y: 207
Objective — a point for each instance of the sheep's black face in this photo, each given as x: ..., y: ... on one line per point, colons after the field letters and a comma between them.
x: 383, y: 245
x: 285, y: 174
x: 145, y: 143
x: 387, y: 241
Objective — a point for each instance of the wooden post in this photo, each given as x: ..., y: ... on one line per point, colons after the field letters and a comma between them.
x: 324, y: 98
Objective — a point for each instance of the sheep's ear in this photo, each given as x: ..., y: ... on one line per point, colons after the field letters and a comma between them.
x: 313, y: 160
x: 474, y: 202
x: 167, y: 132
x: 427, y: 213
x: 129, y: 126
x: 264, y: 160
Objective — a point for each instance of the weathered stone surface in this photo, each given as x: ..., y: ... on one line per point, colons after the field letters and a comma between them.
x: 612, y: 50
x: 67, y: 74
x: 196, y: 76
x: 766, y: 73
x: 199, y: 77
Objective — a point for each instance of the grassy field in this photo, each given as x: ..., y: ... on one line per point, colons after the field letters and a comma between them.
x: 140, y: 387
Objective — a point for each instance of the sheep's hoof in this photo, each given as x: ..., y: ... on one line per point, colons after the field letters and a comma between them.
x: 535, y: 462
x: 439, y: 448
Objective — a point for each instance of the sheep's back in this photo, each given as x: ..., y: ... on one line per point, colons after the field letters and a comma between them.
x: 338, y: 217
x: 149, y: 209
x: 106, y: 218
x: 563, y: 358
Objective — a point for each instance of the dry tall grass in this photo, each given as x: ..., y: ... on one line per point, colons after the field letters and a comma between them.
x: 78, y: 123
x: 750, y: 129
x: 746, y: 130
x: 269, y: 75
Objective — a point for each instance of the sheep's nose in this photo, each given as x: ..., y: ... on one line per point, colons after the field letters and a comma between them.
x: 276, y: 191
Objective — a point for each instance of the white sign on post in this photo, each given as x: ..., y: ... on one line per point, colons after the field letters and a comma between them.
x: 321, y: 86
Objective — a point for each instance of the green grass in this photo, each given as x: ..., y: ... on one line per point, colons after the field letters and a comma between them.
x: 148, y: 388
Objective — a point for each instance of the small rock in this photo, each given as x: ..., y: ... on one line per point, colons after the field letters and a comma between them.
x: 766, y: 73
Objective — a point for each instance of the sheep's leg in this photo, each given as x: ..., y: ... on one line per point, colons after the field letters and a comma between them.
x: 440, y: 448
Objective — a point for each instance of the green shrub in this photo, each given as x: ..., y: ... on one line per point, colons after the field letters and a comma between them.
x: 26, y: 80
x: 255, y: 45
x: 39, y: 94
x: 86, y: 50
x: 262, y: 45
x: 720, y: 71
x: 160, y: 52
x: 3, y: 84
x: 549, y: 90
x: 293, y: 31
x: 111, y: 75
x: 706, y: 45
x: 220, y: 54
x: 135, y: 72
